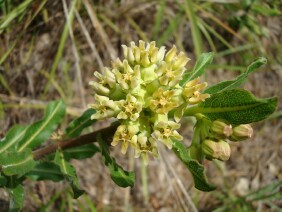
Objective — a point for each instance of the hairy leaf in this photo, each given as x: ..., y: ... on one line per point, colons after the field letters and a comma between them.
x: 121, y: 177
x: 17, y: 163
x: 46, y: 171
x: 76, y: 126
x: 204, y: 60
x: 231, y: 84
x: 39, y: 131
x: 236, y: 106
x: 80, y: 152
x: 69, y: 172
x: 13, y: 136
x: 196, y: 169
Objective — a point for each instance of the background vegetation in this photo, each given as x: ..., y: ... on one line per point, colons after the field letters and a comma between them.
x: 50, y: 49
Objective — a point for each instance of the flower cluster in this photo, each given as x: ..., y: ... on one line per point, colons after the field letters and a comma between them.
x: 141, y: 91
x: 216, y: 145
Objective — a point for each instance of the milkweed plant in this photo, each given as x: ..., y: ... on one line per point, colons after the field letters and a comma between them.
x: 146, y: 93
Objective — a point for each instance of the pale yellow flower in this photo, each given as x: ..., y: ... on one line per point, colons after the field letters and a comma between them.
x: 105, y: 108
x: 165, y: 132
x: 130, y: 108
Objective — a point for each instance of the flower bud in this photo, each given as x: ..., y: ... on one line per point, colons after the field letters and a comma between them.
x: 220, y: 129
x: 241, y: 132
x: 216, y: 149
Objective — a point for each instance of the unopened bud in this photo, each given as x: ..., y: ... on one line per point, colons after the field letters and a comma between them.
x: 241, y: 132
x: 220, y: 129
x: 216, y: 149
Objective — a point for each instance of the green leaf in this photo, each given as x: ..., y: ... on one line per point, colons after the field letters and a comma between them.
x: 204, y: 60
x: 69, y: 172
x: 196, y: 169
x: 231, y: 84
x: 16, y: 198
x: 76, y: 126
x: 39, y: 131
x: 13, y: 136
x: 237, y: 106
x: 3, y: 181
x: 46, y: 171
x: 80, y: 152
x: 121, y: 177
x: 17, y: 163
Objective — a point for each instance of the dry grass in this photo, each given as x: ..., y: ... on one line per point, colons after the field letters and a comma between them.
x: 39, y: 53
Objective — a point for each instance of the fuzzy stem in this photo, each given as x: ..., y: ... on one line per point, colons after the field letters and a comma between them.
x: 106, y: 133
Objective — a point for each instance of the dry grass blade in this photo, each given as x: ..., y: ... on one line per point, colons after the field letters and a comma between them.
x: 220, y: 23
x: 100, y: 29
x: 188, y: 201
x: 76, y: 56
x: 21, y: 102
x: 89, y: 40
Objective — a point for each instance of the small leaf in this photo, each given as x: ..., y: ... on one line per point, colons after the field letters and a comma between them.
x: 80, y: 152
x: 121, y: 177
x: 231, y: 84
x: 46, y: 171
x: 196, y: 169
x: 236, y: 106
x: 17, y: 163
x: 39, y: 131
x: 69, y: 172
x: 204, y: 60
x: 16, y: 198
x: 76, y: 126
x: 13, y: 136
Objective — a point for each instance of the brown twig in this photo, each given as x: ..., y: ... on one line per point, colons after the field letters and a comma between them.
x: 106, y: 134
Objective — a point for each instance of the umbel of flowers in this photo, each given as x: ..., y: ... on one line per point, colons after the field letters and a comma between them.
x: 141, y: 91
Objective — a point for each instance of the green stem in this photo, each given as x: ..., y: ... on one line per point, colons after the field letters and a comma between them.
x: 192, y: 111
x: 144, y: 177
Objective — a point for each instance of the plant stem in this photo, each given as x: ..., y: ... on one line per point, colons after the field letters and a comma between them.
x: 106, y: 133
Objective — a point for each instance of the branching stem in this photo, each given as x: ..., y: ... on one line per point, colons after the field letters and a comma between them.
x: 106, y: 133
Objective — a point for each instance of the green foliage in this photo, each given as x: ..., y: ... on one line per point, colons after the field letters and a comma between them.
x: 14, y: 135
x: 121, y: 177
x: 267, y: 195
x: 196, y: 169
x: 76, y: 127
x: 80, y: 152
x: 46, y: 171
x: 17, y: 198
x: 204, y: 60
x: 69, y: 172
x: 39, y: 131
x: 236, y: 106
x: 18, y: 163
x: 226, y: 85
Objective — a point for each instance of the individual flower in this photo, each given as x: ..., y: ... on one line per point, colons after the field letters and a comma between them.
x: 130, y: 108
x: 107, y: 81
x: 145, y: 146
x: 165, y: 132
x: 191, y: 91
x: 169, y: 75
x: 127, y: 77
x: 162, y: 101
x: 105, y: 108
x: 126, y: 134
